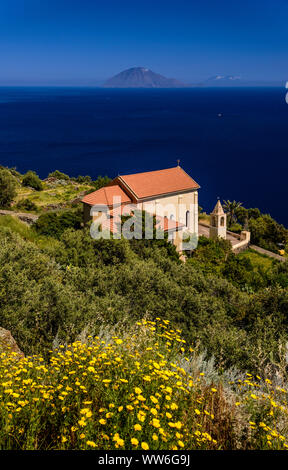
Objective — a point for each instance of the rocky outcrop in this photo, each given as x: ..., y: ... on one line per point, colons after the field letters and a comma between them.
x: 8, y: 343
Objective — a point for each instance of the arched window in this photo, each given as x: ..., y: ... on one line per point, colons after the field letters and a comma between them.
x: 171, y: 235
x: 222, y: 221
x: 188, y: 219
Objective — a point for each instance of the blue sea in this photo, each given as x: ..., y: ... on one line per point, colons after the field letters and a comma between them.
x: 242, y: 154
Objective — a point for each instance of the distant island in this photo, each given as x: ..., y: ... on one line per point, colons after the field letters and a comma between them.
x: 141, y: 77
x: 237, y: 81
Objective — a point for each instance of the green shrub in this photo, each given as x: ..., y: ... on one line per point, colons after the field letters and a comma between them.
x: 254, y: 213
x: 101, y: 181
x: 58, y: 175
x: 210, y: 254
x: 242, y: 215
x: 53, y: 224
x: 267, y: 233
x: 32, y: 180
x: 83, y: 179
x: 7, y: 188
x: 27, y: 205
x: 235, y: 228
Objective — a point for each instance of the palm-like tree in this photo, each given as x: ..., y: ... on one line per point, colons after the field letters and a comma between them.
x: 230, y: 207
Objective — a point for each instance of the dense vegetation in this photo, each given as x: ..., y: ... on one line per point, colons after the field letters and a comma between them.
x: 53, y: 224
x: 58, y: 286
x: 52, y: 289
x: 7, y: 188
x: 265, y: 231
x: 31, y: 194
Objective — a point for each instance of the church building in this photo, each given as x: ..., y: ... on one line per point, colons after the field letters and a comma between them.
x: 170, y: 194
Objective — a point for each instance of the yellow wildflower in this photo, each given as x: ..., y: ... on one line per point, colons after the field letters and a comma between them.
x: 91, y: 444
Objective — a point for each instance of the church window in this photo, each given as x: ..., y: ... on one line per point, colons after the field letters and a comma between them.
x: 188, y: 219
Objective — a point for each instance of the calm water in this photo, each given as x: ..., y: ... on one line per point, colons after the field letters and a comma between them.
x: 242, y: 155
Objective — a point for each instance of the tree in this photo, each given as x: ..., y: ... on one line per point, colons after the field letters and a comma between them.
x: 27, y: 205
x: 52, y: 224
x: 242, y: 215
x: 7, y: 188
x: 210, y: 254
x: 254, y: 213
x: 83, y: 179
x: 267, y: 233
x: 230, y: 207
x: 101, y: 181
x: 32, y: 179
x: 58, y: 175
x: 237, y: 270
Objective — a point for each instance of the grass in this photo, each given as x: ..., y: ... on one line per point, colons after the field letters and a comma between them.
x: 257, y: 259
x: 8, y: 222
x: 15, y: 225
x: 56, y: 195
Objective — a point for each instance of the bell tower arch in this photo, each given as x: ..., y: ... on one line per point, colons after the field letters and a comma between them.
x: 218, y: 222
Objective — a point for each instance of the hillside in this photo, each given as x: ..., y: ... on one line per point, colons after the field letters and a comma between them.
x: 210, y: 334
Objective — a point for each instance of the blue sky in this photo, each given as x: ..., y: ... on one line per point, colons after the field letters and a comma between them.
x: 78, y: 42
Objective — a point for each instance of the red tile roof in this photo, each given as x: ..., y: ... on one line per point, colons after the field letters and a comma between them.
x: 104, y: 196
x: 112, y: 223
x: 156, y: 183
x: 167, y: 224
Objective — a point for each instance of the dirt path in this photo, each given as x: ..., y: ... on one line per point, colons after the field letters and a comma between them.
x: 267, y: 253
x: 24, y: 216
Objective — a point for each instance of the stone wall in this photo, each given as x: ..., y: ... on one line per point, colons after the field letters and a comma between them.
x: 244, y: 241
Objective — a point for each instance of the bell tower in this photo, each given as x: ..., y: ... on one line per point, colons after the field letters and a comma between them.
x: 218, y: 222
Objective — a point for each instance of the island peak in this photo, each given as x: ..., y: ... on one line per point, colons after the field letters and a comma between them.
x: 141, y: 77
